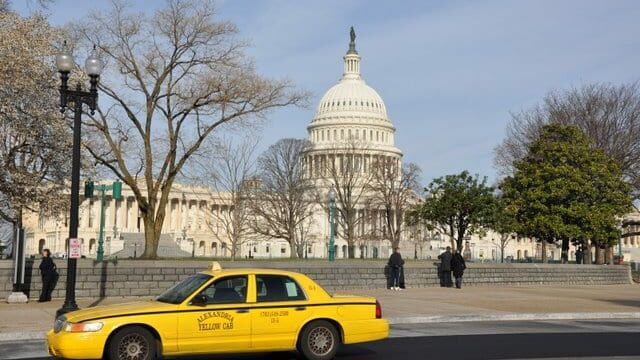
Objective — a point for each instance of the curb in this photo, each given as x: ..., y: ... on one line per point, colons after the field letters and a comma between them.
x: 22, y: 335
x: 513, y: 317
x: 41, y: 335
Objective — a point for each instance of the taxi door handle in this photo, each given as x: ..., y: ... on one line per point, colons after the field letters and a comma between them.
x: 242, y: 311
x: 300, y: 308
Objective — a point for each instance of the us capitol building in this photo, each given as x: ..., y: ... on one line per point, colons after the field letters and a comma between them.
x: 349, y: 112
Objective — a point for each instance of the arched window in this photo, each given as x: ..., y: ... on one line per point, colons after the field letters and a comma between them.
x: 519, y: 254
x: 40, y: 246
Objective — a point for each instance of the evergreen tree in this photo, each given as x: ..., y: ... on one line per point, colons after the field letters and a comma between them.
x: 565, y: 189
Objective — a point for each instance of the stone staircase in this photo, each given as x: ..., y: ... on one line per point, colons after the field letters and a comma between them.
x: 134, y: 247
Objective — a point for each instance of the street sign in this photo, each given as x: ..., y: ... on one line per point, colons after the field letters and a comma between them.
x: 75, y: 249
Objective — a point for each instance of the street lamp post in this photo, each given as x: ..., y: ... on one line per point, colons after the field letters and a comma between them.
x: 93, y: 67
x: 332, y: 207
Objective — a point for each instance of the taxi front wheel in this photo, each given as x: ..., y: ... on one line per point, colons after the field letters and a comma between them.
x: 132, y: 343
x: 319, y: 341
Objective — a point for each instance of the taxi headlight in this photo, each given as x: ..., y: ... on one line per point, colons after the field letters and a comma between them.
x: 83, y: 327
x: 59, y: 324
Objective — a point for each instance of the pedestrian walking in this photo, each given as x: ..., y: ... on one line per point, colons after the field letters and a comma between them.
x: 395, y: 266
x: 457, y: 266
x: 49, y: 275
x: 445, y: 268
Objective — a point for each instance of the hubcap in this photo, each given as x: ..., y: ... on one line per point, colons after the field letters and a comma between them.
x: 133, y: 347
x: 321, y: 341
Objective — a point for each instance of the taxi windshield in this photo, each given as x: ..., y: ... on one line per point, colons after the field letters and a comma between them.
x: 180, y: 291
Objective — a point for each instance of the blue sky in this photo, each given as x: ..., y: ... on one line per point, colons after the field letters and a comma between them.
x: 450, y: 72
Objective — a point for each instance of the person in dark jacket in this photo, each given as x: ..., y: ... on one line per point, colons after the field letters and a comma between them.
x: 49, y: 275
x: 395, y: 266
x: 458, y: 266
x: 445, y: 268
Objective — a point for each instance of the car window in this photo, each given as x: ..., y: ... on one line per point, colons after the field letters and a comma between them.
x: 278, y: 288
x: 228, y: 290
x: 180, y: 291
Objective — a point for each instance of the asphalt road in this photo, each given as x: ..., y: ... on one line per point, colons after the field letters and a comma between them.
x: 501, y: 340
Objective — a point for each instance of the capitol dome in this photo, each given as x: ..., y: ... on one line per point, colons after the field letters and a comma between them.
x: 352, y: 95
x: 351, y: 116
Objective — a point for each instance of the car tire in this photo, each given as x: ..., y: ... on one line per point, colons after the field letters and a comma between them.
x: 319, y: 340
x: 132, y: 342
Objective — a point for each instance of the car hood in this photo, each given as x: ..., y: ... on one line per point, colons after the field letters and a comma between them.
x: 106, y: 311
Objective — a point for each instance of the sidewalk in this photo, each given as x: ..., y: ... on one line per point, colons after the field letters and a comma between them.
x: 420, y: 305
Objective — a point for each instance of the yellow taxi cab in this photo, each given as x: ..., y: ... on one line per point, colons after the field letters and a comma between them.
x: 222, y: 311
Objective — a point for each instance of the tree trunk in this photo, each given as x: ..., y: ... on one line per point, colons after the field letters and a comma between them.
x: 543, y: 247
x: 588, y: 253
x: 151, y: 236
x: 609, y: 255
x: 565, y: 251
x: 296, y: 250
x: 599, y: 255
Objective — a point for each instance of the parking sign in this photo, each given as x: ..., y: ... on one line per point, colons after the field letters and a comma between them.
x: 75, y: 248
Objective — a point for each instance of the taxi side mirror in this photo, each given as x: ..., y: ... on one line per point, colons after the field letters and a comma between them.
x: 200, y: 300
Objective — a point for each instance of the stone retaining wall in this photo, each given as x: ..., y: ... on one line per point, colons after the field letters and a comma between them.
x: 148, y: 278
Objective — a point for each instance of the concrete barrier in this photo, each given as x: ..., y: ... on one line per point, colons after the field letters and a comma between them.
x: 148, y: 278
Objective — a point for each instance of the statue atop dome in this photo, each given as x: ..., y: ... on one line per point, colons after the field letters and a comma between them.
x: 352, y: 44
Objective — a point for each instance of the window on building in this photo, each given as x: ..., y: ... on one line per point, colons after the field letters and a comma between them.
x: 342, y: 134
x: 278, y: 288
x: 283, y: 250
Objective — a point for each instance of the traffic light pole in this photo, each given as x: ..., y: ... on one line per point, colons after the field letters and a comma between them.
x: 332, y: 249
x: 100, y: 254
x: 117, y: 194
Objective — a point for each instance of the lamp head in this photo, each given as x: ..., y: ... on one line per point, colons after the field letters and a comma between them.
x: 64, y: 60
x: 332, y: 194
x: 93, y: 65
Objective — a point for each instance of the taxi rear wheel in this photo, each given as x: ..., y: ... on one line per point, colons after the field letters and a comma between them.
x: 319, y: 341
x: 132, y: 343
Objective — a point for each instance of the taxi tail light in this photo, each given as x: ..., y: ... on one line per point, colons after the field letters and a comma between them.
x: 378, y: 310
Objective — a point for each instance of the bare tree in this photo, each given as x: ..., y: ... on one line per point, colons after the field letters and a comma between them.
x: 173, y: 79
x: 394, y: 188
x: 284, y: 203
x: 345, y: 171
x: 231, y: 173
x: 608, y: 114
x: 35, y: 139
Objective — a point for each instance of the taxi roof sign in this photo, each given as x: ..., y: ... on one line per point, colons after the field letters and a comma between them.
x: 215, y: 266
